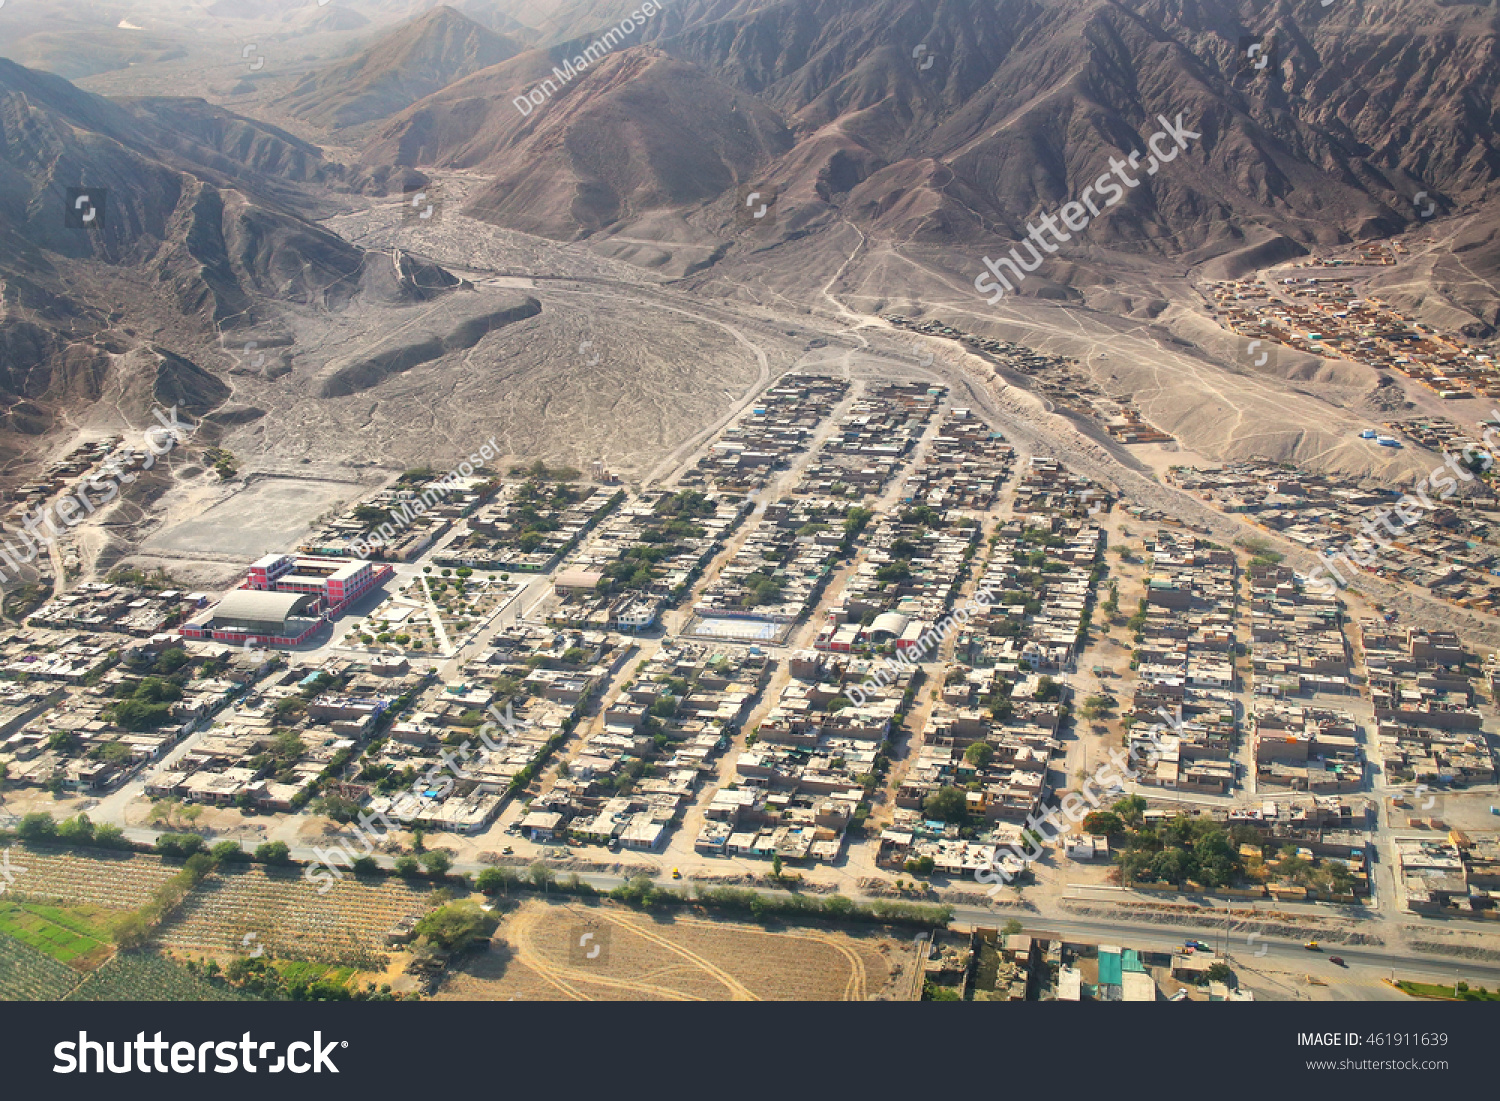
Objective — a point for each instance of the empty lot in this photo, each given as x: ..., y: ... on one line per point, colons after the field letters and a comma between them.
x: 269, y: 514
x: 567, y: 951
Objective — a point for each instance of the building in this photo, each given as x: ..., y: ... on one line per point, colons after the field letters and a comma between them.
x: 285, y: 598
x: 336, y: 581
x: 246, y: 616
x: 573, y: 582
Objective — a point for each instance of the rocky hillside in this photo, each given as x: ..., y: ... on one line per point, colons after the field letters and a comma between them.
x: 410, y: 62
x: 183, y: 218
x: 954, y: 122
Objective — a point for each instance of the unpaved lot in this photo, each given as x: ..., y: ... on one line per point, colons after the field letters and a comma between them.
x: 547, y: 951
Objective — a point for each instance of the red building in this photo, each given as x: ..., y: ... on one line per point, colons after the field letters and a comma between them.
x: 335, y: 580
x: 285, y: 598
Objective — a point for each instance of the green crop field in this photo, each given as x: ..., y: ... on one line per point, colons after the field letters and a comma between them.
x: 27, y: 975
x: 74, y: 935
x: 1437, y: 990
x: 144, y: 977
x: 302, y: 971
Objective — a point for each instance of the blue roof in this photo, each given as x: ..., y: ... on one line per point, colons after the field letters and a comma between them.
x: 1110, y: 969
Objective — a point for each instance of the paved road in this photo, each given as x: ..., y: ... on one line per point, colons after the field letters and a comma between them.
x: 1371, y: 963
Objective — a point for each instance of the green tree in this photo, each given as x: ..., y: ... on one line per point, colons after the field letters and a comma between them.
x: 407, y: 866
x: 112, y: 753
x: 109, y: 836
x: 437, y: 863
x: 76, y: 831
x: 947, y: 805
x: 180, y: 844
x: 541, y: 875
x: 229, y: 852
x: 1340, y: 879
x: 287, y: 746
x: 337, y: 807
x: 171, y: 659
x: 273, y: 852
x: 1096, y: 706
x: 979, y: 754
x: 62, y: 741
x: 1134, y: 865
x: 129, y: 931
x: 454, y: 927
x: 493, y: 880
x: 139, y: 714
x: 1103, y: 823
x: 1131, y: 809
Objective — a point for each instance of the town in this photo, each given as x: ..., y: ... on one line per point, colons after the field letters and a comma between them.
x: 861, y: 644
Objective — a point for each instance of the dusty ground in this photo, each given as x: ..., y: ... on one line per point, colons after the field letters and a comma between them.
x: 1462, y: 810
x: 542, y: 952
x: 265, y: 515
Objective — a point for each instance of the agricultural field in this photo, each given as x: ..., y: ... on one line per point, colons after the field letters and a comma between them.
x: 109, y: 881
x: 300, y: 971
x: 27, y: 975
x: 284, y: 914
x: 146, y: 977
x: 547, y: 951
x: 1458, y: 992
x: 77, y: 936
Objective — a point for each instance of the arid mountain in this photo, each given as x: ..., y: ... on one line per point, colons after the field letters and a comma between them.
x: 957, y: 121
x: 650, y: 132
x: 78, y: 38
x: 899, y: 142
x: 494, y: 15
x: 403, y: 66
x: 183, y: 217
x: 337, y: 19
x: 79, y: 53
